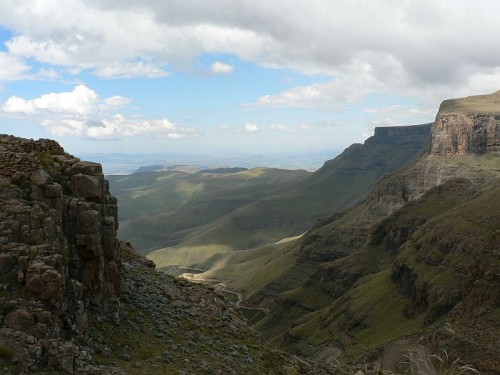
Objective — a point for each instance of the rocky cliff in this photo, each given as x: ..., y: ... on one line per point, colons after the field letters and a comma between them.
x: 74, y: 299
x: 467, y: 126
x: 59, y: 256
x: 412, y: 264
x: 465, y: 144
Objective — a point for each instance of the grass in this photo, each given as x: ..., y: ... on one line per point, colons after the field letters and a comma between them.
x: 440, y: 364
x: 472, y: 104
x: 186, y: 255
x: 253, y: 207
x: 6, y: 353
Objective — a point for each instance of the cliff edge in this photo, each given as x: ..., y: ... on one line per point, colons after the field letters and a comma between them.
x: 59, y: 255
x: 468, y: 125
x: 75, y: 300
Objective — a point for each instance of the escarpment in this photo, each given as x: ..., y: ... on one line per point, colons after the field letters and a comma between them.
x: 467, y: 126
x: 412, y: 263
x: 465, y: 144
x: 59, y: 255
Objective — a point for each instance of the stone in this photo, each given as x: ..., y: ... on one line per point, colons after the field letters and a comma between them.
x: 44, y: 281
x: 85, y: 186
x: 86, y: 167
x: 88, y: 220
x: 53, y: 190
x: 61, y: 355
x: 40, y: 178
x: 19, y: 318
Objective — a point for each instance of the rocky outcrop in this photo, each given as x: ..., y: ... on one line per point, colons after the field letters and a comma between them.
x: 402, y: 131
x: 467, y: 126
x: 75, y: 300
x: 59, y: 256
x: 465, y: 144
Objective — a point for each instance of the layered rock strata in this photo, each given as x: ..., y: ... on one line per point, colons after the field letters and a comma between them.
x: 465, y: 144
x: 467, y: 126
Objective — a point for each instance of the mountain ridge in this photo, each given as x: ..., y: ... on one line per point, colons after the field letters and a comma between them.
x: 292, y: 209
x: 323, y: 301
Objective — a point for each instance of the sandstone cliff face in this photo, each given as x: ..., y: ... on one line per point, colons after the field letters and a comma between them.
x: 467, y: 126
x: 465, y: 144
x: 59, y: 256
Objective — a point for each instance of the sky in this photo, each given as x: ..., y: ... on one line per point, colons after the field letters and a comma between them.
x: 259, y: 76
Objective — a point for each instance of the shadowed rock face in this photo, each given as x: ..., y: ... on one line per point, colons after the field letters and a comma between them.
x: 63, y: 272
x: 467, y: 126
x: 59, y: 256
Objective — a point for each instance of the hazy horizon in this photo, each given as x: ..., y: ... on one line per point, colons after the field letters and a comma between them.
x: 247, y: 76
x: 128, y: 163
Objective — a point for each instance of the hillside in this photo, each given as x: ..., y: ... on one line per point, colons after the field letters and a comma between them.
x: 413, y: 265
x: 76, y: 300
x: 164, y: 208
x: 288, y: 209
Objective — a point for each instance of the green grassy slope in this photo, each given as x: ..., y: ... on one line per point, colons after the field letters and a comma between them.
x: 247, y: 271
x: 160, y: 209
x: 293, y: 208
x: 429, y: 269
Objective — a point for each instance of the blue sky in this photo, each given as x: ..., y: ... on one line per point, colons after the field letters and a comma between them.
x: 236, y: 76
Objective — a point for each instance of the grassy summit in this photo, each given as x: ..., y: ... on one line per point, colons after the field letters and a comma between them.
x: 473, y: 104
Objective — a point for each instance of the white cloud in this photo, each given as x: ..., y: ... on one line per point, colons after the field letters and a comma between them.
x: 304, y: 127
x: 130, y: 70
x: 81, y: 113
x: 11, y: 67
x: 117, y: 101
x: 278, y: 127
x: 328, y: 95
x: 250, y: 127
x: 221, y: 68
x: 420, y: 47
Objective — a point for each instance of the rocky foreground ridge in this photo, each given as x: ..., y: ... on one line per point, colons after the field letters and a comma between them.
x: 59, y: 256
x: 73, y: 299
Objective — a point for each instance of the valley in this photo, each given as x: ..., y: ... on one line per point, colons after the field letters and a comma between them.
x: 392, y: 244
x: 384, y: 259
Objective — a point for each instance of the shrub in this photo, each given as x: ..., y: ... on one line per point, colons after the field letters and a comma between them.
x: 6, y: 352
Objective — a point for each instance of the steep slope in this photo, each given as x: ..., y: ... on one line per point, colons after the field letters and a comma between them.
x: 404, y: 262
x: 74, y: 299
x: 291, y: 210
x: 162, y: 209
x: 429, y: 269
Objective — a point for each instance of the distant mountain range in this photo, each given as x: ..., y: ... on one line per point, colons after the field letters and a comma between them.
x: 124, y: 164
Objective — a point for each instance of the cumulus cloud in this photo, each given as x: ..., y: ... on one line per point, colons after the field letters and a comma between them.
x: 250, y: 127
x: 81, y: 113
x: 319, y: 95
x: 11, y: 67
x: 221, y: 68
x: 417, y: 46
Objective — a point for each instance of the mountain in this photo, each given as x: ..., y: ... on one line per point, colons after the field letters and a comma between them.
x: 415, y: 266
x: 242, y: 210
x: 164, y: 208
x: 76, y: 300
